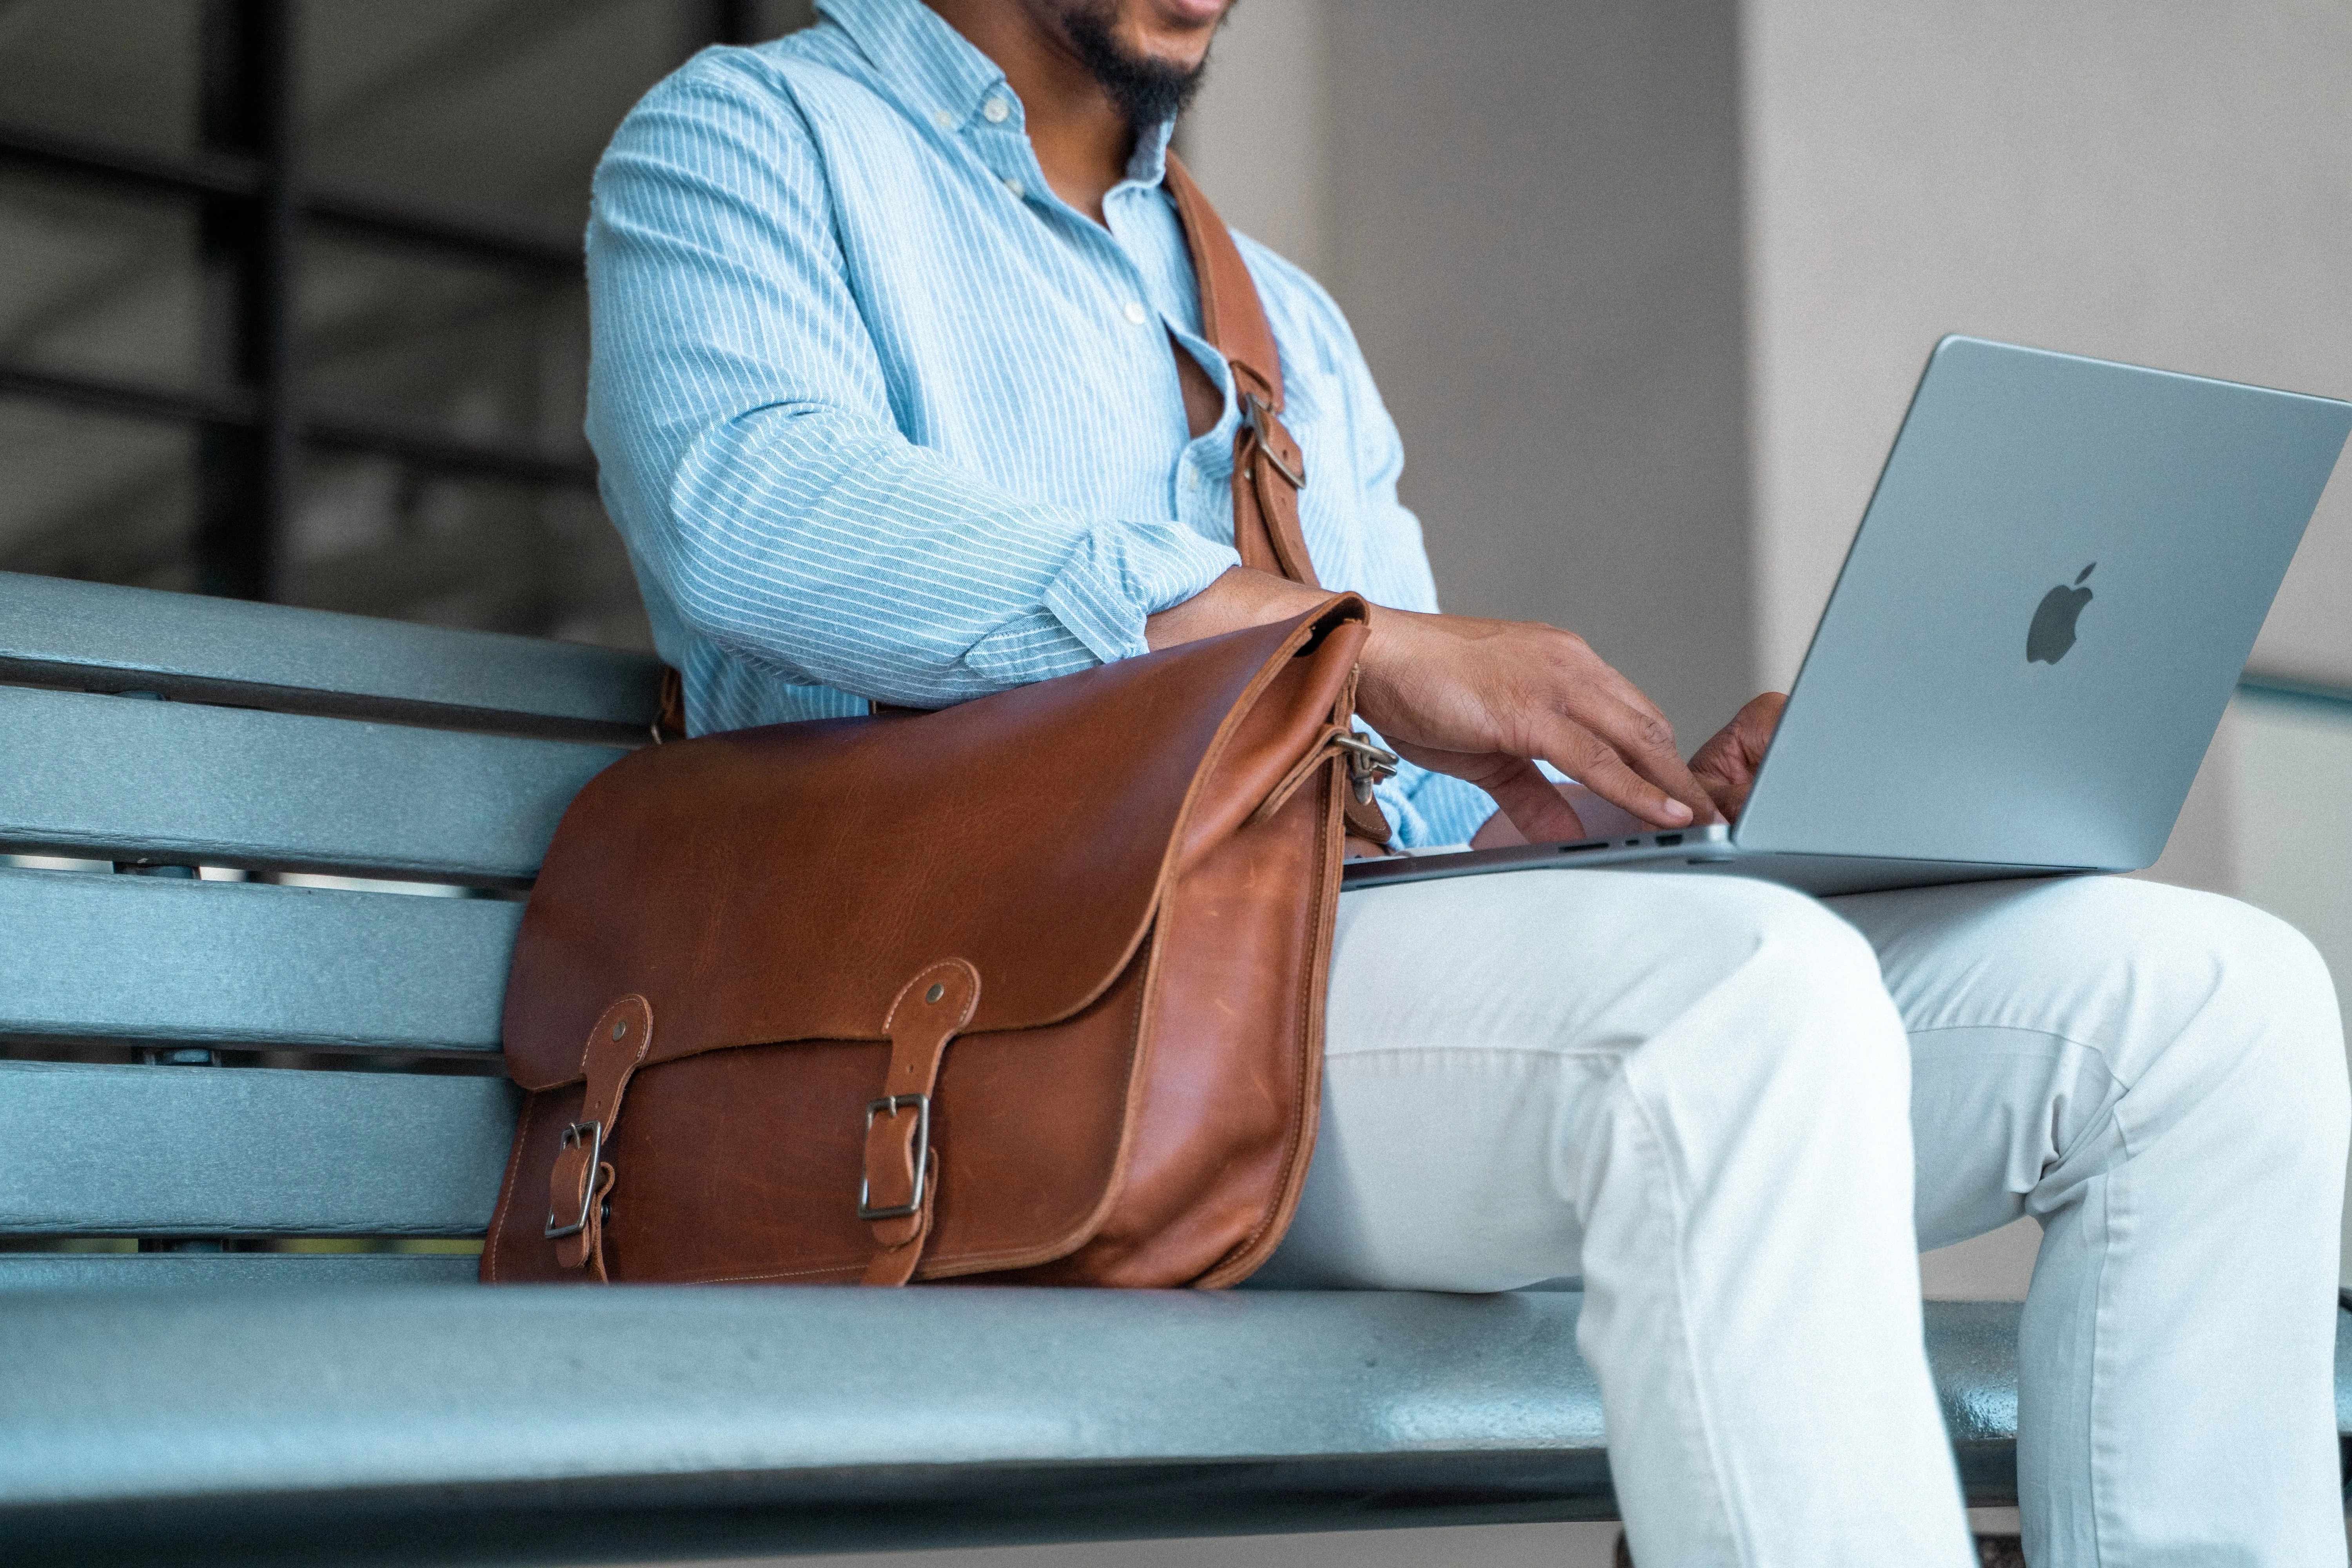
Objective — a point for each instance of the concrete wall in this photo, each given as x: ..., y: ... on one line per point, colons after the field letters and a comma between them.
x: 2159, y: 182
x: 1532, y: 218
x: 1647, y: 287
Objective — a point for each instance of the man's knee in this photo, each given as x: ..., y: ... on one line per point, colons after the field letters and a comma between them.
x: 2270, y: 976
x: 1795, y: 936
x: 2183, y: 951
x: 1800, y: 993
x: 2238, y: 1002
x: 1793, y: 1061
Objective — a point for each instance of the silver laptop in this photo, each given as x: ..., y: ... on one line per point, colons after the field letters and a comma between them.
x: 2040, y: 619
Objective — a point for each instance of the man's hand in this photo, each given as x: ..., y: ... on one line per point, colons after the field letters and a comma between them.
x: 1480, y: 699
x: 1726, y: 766
x: 1595, y: 818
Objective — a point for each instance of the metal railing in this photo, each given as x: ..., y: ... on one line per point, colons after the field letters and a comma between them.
x: 2336, y: 699
x: 254, y: 213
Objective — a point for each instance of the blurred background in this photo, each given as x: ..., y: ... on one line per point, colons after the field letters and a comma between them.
x: 291, y: 309
x: 293, y: 306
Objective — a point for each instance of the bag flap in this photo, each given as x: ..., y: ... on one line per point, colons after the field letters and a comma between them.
x: 783, y: 883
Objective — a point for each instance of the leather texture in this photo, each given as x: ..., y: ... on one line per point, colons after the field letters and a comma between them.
x: 896, y: 1191
x: 1266, y: 494
x: 1119, y: 1076
x: 579, y: 1183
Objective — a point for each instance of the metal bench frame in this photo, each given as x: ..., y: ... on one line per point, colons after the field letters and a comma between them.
x: 215, y: 1397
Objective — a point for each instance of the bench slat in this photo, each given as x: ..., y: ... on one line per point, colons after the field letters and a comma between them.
x: 720, y: 1422
x: 787, y: 1394
x: 187, y: 1151
x: 219, y: 1270
x: 141, y: 958
x: 101, y: 637
x: 112, y: 779
x: 662, y: 1423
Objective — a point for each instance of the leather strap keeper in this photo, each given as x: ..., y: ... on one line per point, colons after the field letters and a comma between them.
x: 895, y: 1193
x: 581, y: 1180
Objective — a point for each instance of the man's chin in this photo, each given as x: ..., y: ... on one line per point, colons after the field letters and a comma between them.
x: 1186, y: 16
x: 1149, y: 69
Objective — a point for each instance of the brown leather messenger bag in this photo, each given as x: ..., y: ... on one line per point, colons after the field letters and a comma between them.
x: 1029, y: 989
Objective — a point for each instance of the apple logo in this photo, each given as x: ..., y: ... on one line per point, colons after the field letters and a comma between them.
x: 2053, y: 632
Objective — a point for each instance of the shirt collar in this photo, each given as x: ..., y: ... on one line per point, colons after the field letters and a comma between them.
x: 1149, y: 165
x: 921, y: 61
x: 930, y: 68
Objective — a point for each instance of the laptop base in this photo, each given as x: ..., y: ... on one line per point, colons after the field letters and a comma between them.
x: 1707, y: 851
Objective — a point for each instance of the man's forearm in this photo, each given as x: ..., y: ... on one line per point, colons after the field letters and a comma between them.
x: 1482, y: 699
x: 1242, y: 597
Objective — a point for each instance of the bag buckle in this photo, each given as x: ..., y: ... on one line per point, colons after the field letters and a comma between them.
x: 890, y: 1105
x: 1367, y: 765
x: 592, y: 1133
x: 1254, y: 414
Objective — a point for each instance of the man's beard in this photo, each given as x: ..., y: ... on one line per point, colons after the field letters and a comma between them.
x: 1149, y: 93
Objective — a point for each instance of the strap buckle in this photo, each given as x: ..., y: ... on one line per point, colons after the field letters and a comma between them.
x: 1367, y: 765
x: 890, y: 1104
x: 592, y: 1133
x: 1255, y: 414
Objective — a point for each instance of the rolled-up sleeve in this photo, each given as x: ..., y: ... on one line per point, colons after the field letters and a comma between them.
x: 742, y: 419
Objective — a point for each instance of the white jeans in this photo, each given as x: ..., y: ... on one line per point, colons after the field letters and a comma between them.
x: 1740, y: 1115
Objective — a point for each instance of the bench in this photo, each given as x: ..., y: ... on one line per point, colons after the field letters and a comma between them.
x: 249, y: 1128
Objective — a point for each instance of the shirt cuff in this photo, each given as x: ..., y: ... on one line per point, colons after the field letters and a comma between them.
x: 1431, y: 809
x: 1425, y: 807
x: 1122, y: 573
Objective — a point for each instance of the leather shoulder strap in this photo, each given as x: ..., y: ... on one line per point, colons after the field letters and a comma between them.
x: 1270, y: 471
x: 1231, y: 316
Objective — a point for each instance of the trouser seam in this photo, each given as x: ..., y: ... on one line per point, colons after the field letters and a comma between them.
x: 2058, y: 1035
x: 1732, y: 1516
x: 2100, y: 1375
x: 2115, y: 1112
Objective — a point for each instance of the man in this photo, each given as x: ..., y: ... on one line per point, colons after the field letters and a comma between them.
x: 900, y: 395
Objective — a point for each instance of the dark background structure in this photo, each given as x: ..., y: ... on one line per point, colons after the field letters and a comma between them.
x: 294, y: 309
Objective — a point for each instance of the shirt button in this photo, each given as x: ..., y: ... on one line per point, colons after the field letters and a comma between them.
x: 1013, y: 185
x: 1136, y: 313
x: 942, y: 118
x: 995, y: 110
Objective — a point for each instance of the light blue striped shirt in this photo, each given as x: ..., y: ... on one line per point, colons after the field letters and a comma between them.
x: 880, y: 416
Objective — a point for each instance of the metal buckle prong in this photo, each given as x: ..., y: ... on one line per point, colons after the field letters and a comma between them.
x: 1367, y: 764
x: 593, y: 1134
x: 890, y: 1104
x: 1253, y: 412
